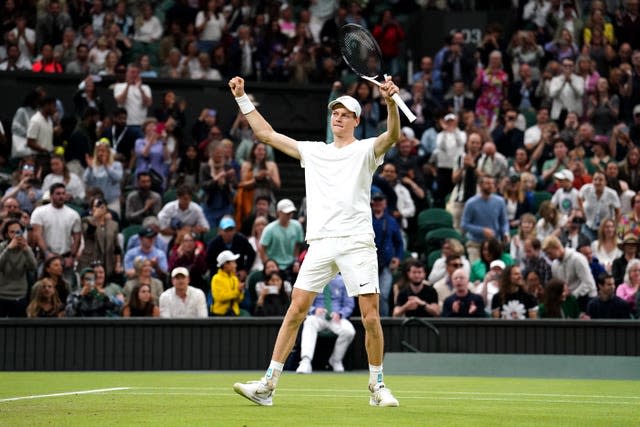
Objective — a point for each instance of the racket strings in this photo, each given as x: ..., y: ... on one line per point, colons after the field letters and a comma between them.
x: 361, y: 53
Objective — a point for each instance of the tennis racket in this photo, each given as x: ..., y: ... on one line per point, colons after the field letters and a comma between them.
x: 362, y: 54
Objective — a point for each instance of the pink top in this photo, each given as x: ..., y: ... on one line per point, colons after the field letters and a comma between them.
x: 627, y: 293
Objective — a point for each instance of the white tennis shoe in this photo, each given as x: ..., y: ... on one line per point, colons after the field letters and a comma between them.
x: 381, y: 396
x: 256, y: 391
x: 304, y: 367
x: 336, y: 365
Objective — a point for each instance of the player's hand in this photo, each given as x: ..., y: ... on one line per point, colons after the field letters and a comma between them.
x: 237, y: 86
x: 388, y: 89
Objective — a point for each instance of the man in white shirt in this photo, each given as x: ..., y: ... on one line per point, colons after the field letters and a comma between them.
x: 533, y: 134
x: 566, y: 91
x: 135, y: 97
x: 40, y: 130
x: 182, y: 213
x: 182, y: 301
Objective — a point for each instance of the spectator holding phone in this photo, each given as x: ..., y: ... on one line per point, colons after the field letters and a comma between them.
x: 26, y: 189
x: 16, y: 260
x: 89, y: 300
x: 273, y: 298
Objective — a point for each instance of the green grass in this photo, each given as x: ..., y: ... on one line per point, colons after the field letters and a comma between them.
x: 322, y: 399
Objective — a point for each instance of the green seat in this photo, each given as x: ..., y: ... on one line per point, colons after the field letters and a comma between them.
x: 129, y: 231
x: 209, y: 235
x: 539, y: 197
x: 433, y: 257
x: 435, y: 238
x: 169, y: 196
x: 432, y: 219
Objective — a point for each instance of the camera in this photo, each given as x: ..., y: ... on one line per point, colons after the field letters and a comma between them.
x: 18, y: 233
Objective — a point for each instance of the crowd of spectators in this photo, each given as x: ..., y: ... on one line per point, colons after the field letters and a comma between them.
x: 529, y: 139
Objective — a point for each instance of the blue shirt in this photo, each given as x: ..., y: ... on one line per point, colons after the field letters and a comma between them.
x: 480, y: 213
x: 132, y: 254
x: 341, y: 302
x: 388, y: 238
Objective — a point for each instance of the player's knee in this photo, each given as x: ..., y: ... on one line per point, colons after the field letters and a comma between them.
x: 370, y: 319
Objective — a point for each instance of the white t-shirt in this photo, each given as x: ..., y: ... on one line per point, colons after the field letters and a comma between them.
x: 212, y: 31
x: 566, y: 201
x: 174, y: 307
x: 136, y: 110
x: 338, y: 187
x: 41, y: 130
x: 532, y: 136
x: 75, y: 187
x: 57, y: 226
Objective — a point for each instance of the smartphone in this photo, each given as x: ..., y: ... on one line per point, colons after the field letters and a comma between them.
x: 273, y: 290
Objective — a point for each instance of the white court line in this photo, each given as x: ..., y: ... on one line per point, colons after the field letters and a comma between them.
x: 68, y: 393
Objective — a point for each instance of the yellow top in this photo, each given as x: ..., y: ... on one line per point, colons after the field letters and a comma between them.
x: 226, y: 293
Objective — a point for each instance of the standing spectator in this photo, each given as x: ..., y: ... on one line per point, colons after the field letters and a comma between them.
x: 534, y: 260
x: 227, y: 291
x: 463, y: 302
x: 628, y: 24
x: 492, y: 163
x: 565, y: 199
x: 190, y: 253
x: 51, y: 24
x: 282, y: 239
x: 182, y: 300
x: 484, y: 217
x: 45, y: 301
x: 406, y: 208
x: 558, y: 303
x: 389, y: 35
x: 148, y: 31
x: 389, y: 247
x: 526, y: 230
x: 105, y: 173
x: 40, y: 131
x: 81, y: 142
x: 511, y: 301
x: 551, y: 222
x: 122, y: 137
x: 182, y: 213
x: 89, y: 301
x: 25, y: 189
x: 507, y: 137
x: 261, y: 207
x: 228, y: 238
x: 16, y: 260
x: 25, y: 37
x: 152, y: 153
x: 370, y: 115
x: 57, y: 230
x: 464, y: 177
x: 134, y: 97
x: 242, y: 53
x: 100, y: 237
x: 607, y: 305
x: 142, y: 201
x: 603, y: 108
x: 571, y: 267
x: 210, y: 24
x: 419, y: 299
x: 330, y: 310
x: 450, y: 144
x: 566, y: 91
x: 141, y: 303
x: 456, y: 67
x: 491, y: 82
x: 628, y: 290
x: 217, y: 180
x: 87, y: 96
x: 598, y: 202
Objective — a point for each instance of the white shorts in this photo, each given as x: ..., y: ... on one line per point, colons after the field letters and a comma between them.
x: 354, y: 256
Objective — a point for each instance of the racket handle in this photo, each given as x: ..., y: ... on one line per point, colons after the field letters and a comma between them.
x: 407, y: 112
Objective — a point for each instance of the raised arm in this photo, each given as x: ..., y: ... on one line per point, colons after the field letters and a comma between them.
x: 261, y: 128
x: 387, y: 139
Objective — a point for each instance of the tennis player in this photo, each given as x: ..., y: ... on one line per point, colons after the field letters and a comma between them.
x: 339, y: 229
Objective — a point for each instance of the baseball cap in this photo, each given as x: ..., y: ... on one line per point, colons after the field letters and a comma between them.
x: 377, y: 195
x: 636, y: 109
x: 147, y: 232
x: 286, y: 206
x: 408, y: 132
x: 564, y: 174
x: 347, y: 102
x: 497, y: 263
x: 450, y: 116
x: 227, y: 222
x: 179, y: 270
x: 226, y: 256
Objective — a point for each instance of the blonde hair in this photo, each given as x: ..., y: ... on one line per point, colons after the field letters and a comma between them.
x: 103, y: 142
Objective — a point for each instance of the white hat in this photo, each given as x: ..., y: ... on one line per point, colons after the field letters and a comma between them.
x: 408, y: 132
x: 347, y: 102
x: 450, y: 116
x: 286, y: 206
x: 636, y: 109
x: 564, y: 174
x: 180, y: 270
x: 226, y: 256
x: 497, y: 263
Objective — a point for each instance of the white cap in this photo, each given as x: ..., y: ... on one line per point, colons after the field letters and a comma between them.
x: 408, y: 132
x: 226, y: 256
x: 497, y: 263
x: 450, y: 116
x: 347, y: 102
x: 286, y: 206
x: 180, y: 270
x: 564, y: 174
x: 636, y: 109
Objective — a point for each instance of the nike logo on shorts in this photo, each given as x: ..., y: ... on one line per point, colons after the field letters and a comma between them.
x: 363, y: 284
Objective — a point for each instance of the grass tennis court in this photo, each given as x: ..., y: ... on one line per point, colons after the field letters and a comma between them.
x: 322, y: 399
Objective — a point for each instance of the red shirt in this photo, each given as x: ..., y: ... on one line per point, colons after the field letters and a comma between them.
x: 49, y: 67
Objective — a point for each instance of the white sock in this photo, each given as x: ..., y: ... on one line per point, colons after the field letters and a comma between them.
x: 375, y: 375
x: 273, y: 373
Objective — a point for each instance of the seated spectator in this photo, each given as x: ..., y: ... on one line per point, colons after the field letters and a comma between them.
x: 607, y: 305
x: 143, y: 276
x: 449, y: 247
x: 47, y: 62
x: 82, y: 64
x: 418, y: 299
x: 146, y: 250
x: 330, y: 310
x: 533, y: 284
x: 516, y: 200
x: 254, y: 240
x: 188, y: 167
x: 612, y: 172
x: 628, y: 290
x: 629, y: 247
x: 182, y: 214
x: 14, y: 60
x: 595, y: 265
x: 16, y: 262
x: 511, y: 301
x: 182, y: 301
x: 261, y: 207
x: 61, y: 173
x: 572, y: 235
x: 534, y: 260
x: 490, y: 250
x: 53, y: 270
x: 526, y: 230
x: 111, y: 289
x: 142, y: 202
x: 152, y: 223
x: 629, y: 222
x: 90, y: 301
x: 227, y: 291
x: 45, y: 301
x: 565, y: 199
x: 551, y: 222
x: 558, y: 303
x: 273, y: 298
x: 492, y: 163
x: 606, y: 247
x: 462, y: 303
x: 141, y: 303
x: 189, y: 252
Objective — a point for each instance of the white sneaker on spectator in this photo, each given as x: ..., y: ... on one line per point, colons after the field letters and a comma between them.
x: 336, y: 365
x: 304, y: 367
x: 381, y: 396
x: 256, y: 391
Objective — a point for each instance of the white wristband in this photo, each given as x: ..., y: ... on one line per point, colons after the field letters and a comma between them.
x: 245, y: 104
